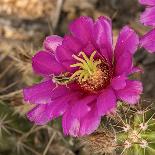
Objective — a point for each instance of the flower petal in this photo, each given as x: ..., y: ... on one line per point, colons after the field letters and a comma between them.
x: 72, y: 43
x: 64, y: 53
x: 80, y: 108
x: 39, y: 93
x: 71, y: 125
x: 44, y: 63
x: 90, y: 122
x: 64, y: 56
x: 52, y: 42
x: 119, y: 82
x: 59, y: 106
x: 60, y: 91
x: 77, y: 110
x: 126, y: 45
x: 131, y: 93
x: 128, y: 41
x: 82, y: 29
x: 103, y: 36
x: 147, y: 2
x: 89, y: 49
x: 123, y: 64
x: 44, y: 113
x: 106, y: 101
x: 41, y: 114
x: 148, y: 16
x: 72, y: 46
x: 136, y: 69
x: 83, y: 125
x: 147, y: 41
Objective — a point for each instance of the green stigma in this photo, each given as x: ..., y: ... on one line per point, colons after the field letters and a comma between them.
x: 87, y: 66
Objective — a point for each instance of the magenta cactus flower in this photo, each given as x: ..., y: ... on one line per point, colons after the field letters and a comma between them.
x: 83, y: 76
x: 148, y: 19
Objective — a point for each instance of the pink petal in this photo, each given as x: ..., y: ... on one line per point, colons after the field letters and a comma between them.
x: 123, y: 64
x: 126, y: 45
x: 90, y: 122
x: 147, y: 41
x: 119, y: 82
x: 64, y: 56
x: 71, y: 125
x: 148, y: 16
x: 52, y: 42
x: 61, y: 103
x: 57, y: 107
x: 60, y: 91
x: 64, y: 53
x: 72, y: 43
x: 128, y: 41
x: 103, y: 36
x: 40, y: 115
x: 136, y: 70
x: 80, y: 108
x: 79, y: 113
x: 89, y: 49
x: 147, y: 2
x: 82, y: 29
x: 44, y: 113
x: 44, y: 63
x: 59, y: 110
x: 131, y: 93
x: 39, y: 93
x: 106, y: 101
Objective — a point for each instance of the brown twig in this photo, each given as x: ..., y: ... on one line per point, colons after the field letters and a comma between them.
x: 49, y: 143
x: 56, y: 18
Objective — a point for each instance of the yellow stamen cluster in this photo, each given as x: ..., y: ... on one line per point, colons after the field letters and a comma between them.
x: 87, y: 66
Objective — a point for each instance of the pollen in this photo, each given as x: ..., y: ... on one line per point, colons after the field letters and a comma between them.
x: 92, y: 74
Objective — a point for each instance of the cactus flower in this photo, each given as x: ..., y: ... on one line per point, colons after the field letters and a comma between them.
x: 148, y: 19
x: 83, y: 76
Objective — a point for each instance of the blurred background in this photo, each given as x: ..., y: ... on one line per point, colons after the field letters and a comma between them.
x: 23, y: 26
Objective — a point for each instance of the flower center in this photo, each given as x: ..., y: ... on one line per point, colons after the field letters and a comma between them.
x: 92, y: 75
